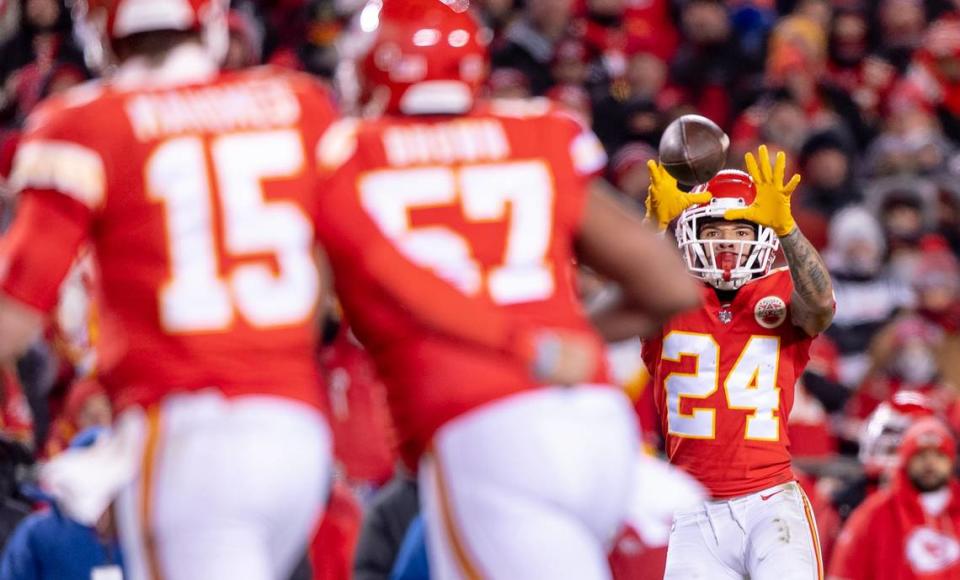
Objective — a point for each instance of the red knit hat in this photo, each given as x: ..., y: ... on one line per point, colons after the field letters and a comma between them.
x: 925, y: 434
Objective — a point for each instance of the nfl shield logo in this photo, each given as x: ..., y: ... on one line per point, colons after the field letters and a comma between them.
x: 726, y: 316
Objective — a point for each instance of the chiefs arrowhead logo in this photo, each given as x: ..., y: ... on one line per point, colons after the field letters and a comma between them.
x: 770, y: 312
x: 930, y: 551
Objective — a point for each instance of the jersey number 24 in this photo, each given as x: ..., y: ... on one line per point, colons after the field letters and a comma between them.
x: 751, y: 385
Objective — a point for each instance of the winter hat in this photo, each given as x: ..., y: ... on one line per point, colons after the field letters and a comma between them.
x: 927, y: 433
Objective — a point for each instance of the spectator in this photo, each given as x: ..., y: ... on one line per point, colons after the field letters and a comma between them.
x: 848, y: 43
x: 911, y: 140
x: 496, y: 14
x: 604, y: 34
x: 575, y: 100
x: 936, y: 284
x: 244, y: 47
x: 778, y: 122
x: 909, y: 362
x: 629, y: 170
x: 14, y: 507
x: 947, y: 217
x: 385, y: 526
x: 867, y: 297
x: 529, y: 43
x: 42, y: 41
x: 636, y: 120
x: 912, y: 529
x: 638, y: 106
x: 570, y: 62
x: 797, y: 64
x: 935, y: 72
x: 903, y: 216
x: 50, y: 546
x: 86, y: 406
x: 901, y: 30
x: 709, y: 63
x: 827, y: 166
x: 879, y: 439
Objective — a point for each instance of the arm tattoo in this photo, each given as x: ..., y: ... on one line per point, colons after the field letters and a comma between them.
x: 811, y: 280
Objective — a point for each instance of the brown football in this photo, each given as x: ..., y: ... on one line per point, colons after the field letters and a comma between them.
x: 693, y: 149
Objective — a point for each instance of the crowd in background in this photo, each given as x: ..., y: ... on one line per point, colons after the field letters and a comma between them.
x: 863, y: 96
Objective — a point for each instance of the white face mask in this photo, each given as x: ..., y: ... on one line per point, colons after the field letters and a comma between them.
x: 916, y: 365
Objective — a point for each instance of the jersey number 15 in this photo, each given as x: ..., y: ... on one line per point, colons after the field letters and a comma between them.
x: 202, y: 295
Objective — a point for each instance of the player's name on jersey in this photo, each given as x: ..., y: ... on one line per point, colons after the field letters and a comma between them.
x: 250, y: 105
x: 462, y: 140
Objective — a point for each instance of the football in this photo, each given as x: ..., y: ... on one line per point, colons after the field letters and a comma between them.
x: 693, y: 149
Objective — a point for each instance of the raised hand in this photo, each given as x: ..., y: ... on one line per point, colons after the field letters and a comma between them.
x: 665, y: 201
x: 771, y: 207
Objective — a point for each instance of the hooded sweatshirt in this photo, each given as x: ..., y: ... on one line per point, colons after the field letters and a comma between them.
x: 899, y: 533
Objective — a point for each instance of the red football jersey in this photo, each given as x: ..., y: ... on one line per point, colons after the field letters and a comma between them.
x: 725, y: 377
x: 490, y: 202
x: 198, y: 196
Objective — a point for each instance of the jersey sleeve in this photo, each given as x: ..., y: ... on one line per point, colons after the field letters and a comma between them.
x: 582, y: 152
x: 344, y: 227
x: 587, y: 154
x: 61, y: 184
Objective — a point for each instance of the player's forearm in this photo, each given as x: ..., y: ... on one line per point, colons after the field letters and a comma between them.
x: 811, y: 281
x: 621, y: 321
x: 448, y: 311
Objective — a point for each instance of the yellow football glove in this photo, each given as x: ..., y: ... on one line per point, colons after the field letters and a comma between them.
x: 665, y: 201
x: 771, y: 208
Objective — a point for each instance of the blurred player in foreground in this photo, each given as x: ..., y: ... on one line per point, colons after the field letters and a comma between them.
x: 196, y: 190
x: 725, y: 373
x: 519, y: 478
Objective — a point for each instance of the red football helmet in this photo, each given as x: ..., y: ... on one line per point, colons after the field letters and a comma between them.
x: 100, y: 22
x: 731, y: 189
x: 420, y: 56
x: 884, y: 428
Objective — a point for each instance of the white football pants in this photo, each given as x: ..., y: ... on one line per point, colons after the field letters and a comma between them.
x: 228, y: 489
x: 532, y: 486
x: 769, y: 535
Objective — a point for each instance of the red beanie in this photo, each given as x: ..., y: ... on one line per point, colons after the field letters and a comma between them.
x: 925, y: 434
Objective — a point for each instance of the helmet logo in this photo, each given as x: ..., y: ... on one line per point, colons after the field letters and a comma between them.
x: 770, y: 312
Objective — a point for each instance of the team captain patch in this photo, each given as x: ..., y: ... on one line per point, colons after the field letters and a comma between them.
x: 770, y: 311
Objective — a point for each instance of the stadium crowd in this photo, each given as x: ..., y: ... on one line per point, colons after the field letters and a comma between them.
x: 863, y: 96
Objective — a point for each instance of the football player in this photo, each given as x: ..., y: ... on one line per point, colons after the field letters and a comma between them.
x: 197, y: 191
x: 519, y: 479
x: 725, y: 373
